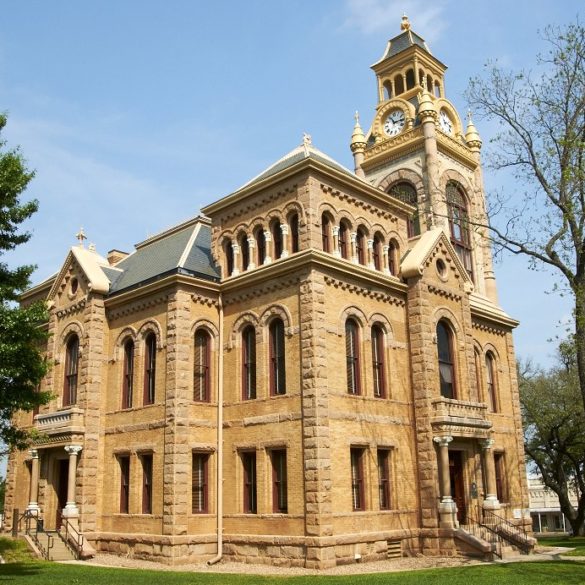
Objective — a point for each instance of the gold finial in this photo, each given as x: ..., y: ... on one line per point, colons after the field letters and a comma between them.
x: 357, y: 117
x: 80, y: 235
x: 307, y: 139
x: 405, y: 24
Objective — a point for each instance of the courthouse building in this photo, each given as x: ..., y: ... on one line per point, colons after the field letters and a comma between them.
x: 313, y: 371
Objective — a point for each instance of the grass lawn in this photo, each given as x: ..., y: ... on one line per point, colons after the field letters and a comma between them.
x: 535, y: 573
x: 576, y: 542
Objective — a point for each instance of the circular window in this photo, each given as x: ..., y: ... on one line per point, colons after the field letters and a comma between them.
x: 441, y: 269
x: 74, y: 285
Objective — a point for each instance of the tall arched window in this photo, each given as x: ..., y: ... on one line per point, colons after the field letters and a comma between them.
x: 446, y: 361
x: 387, y: 90
x: 491, y: 386
x: 276, y: 231
x: 260, y: 246
x: 393, y: 258
x: 459, y: 224
x: 377, y: 252
x: 229, y: 257
x: 71, y: 371
x: 277, y: 363
x: 245, y: 250
x: 128, y: 380
x: 344, y: 240
x: 378, y: 362
x: 399, y: 84
x: 249, y: 363
x: 407, y: 193
x: 202, y: 366
x: 352, y: 357
x: 360, y: 242
x: 478, y: 372
x: 410, y: 79
x: 294, y: 232
x: 149, y: 368
x: 326, y: 232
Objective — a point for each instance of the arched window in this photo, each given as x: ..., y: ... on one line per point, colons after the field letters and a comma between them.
x: 245, y: 249
x: 491, y: 386
x: 71, y: 371
x: 149, y: 368
x: 407, y: 193
x: 459, y: 224
x: 276, y: 231
x: 478, y: 371
x: 378, y: 362
x: 393, y: 258
x: 326, y: 232
x: 294, y: 232
x: 128, y: 379
x: 446, y: 361
x: 387, y: 90
x: 249, y: 363
x: 410, y: 79
x: 352, y: 356
x: 360, y: 242
x: 437, y: 90
x: 229, y: 257
x: 260, y: 246
x: 277, y: 363
x: 377, y: 252
x: 202, y: 366
x: 399, y: 84
x: 344, y: 240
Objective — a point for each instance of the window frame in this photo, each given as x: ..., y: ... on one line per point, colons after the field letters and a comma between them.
x: 249, y: 363
x: 260, y: 238
x: 377, y: 252
x: 352, y: 357
x: 71, y: 371
x: 277, y: 357
x: 326, y: 237
x: 250, y: 482
x: 491, y: 382
x: 458, y: 215
x: 277, y: 240
x: 294, y: 233
x: 150, y: 343
x: 384, y: 479
x: 129, y: 349
x: 200, y: 482
x: 146, y: 460
x: 202, y: 366
x: 361, y: 246
x: 343, y: 240
x: 124, y: 463
x: 500, y: 476
x: 379, y: 361
x: 446, y: 364
x: 358, y: 486
x: 278, y: 458
x: 245, y: 251
x: 229, y: 258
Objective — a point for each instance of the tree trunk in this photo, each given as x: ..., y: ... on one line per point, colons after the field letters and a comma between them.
x: 580, y: 336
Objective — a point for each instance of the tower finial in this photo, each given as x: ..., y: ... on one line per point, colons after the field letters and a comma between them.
x: 80, y: 235
x: 405, y: 23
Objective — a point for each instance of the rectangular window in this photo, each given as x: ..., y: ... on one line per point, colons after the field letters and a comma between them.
x: 352, y: 357
x: 249, y: 363
x: 378, y: 362
x: 276, y: 348
x: 199, y: 497
x: 124, y: 484
x: 357, y: 479
x: 500, y: 469
x: 150, y: 369
x: 249, y: 465
x: 146, y: 484
x: 127, y: 384
x: 384, y: 478
x: 201, y: 366
x: 279, y: 482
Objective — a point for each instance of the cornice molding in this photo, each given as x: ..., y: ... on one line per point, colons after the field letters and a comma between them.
x: 444, y: 292
x: 375, y: 210
x: 71, y: 309
x: 366, y: 292
x: 136, y: 306
x: 261, y: 290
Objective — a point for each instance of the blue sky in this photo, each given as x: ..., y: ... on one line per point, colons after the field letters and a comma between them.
x: 137, y: 113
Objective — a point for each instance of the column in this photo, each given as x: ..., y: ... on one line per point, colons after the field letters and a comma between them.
x: 447, y: 507
x: 33, y: 505
x: 252, y: 252
x: 236, y: 251
x: 335, y: 231
x: 268, y: 243
x: 370, y: 259
x: 385, y: 265
x: 71, y: 510
x: 284, y: 230
x: 490, y: 501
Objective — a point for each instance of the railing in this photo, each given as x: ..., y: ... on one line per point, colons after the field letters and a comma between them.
x: 53, y: 422
x: 460, y: 412
x: 73, y: 538
x: 476, y: 527
x: 509, y: 532
x: 33, y: 526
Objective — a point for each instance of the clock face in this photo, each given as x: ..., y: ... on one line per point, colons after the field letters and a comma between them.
x: 394, y: 122
x: 445, y: 122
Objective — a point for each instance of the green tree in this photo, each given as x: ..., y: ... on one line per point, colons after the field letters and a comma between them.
x: 22, y: 365
x: 554, y: 432
x: 542, y: 143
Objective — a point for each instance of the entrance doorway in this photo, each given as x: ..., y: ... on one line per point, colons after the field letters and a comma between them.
x: 62, y: 480
x: 457, y: 484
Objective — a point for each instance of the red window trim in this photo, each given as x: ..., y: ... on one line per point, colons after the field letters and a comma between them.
x: 147, y: 462
x: 250, y: 482
x: 124, y: 462
x: 352, y: 357
x: 279, y: 481
x: 249, y: 363
x: 128, y: 375
x: 199, y: 485
x: 357, y: 479
x: 202, y: 367
x: 378, y: 362
x: 277, y: 358
x: 149, y: 369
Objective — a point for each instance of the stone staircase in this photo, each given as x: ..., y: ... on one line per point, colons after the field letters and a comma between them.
x: 59, y: 551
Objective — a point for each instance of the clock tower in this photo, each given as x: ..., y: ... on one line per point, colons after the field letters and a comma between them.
x: 418, y: 150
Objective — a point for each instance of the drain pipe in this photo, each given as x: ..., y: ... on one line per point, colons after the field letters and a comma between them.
x: 219, y: 452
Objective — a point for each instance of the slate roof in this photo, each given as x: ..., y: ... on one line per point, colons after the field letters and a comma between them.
x: 402, y: 42
x: 186, y: 249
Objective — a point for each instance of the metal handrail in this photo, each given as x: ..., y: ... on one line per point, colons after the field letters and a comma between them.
x: 512, y: 533
x: 479, y: 529
x: 32, y: 527
x: 73, y: 538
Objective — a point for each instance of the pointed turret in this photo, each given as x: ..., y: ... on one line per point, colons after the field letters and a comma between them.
x: 358, y: 146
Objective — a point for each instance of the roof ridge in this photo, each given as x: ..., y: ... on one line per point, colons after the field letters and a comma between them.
x: 189, y: 245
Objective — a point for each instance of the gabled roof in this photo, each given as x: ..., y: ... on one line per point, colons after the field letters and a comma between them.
x: 402, y: 42
x: 302, y: 152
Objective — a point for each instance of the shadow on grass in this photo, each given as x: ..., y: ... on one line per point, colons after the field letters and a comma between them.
x: 13, y: 571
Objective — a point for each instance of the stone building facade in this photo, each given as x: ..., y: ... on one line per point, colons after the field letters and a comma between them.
x: 315, y: 371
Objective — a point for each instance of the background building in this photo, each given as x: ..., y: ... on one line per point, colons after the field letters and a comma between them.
x: 316, y: 370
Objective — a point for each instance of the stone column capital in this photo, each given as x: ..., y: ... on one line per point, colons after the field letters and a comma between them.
x: 443, y: 441
x: 236, y: 248
x: 353, y: 237
x: 73, y: 449
x: 34, y: 453
x: 251, y: 241
x: 487, y: 443
x: 370, y: 244
x: 385, y: 248
x: 284, y: 229
x: 335, y: 230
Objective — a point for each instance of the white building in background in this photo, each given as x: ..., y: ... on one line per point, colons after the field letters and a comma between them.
x: 545, y: 509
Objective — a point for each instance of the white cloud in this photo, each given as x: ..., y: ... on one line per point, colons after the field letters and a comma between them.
x: 371, y: 16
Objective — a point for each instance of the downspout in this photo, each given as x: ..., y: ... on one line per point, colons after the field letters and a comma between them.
x: 219, y: 457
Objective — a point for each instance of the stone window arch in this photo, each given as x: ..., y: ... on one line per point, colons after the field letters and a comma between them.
x: 71, y: 370
x: 405, y: 191
x: 458, y: 213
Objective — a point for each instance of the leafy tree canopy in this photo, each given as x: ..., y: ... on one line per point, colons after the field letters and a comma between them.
x: 22, y: 335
